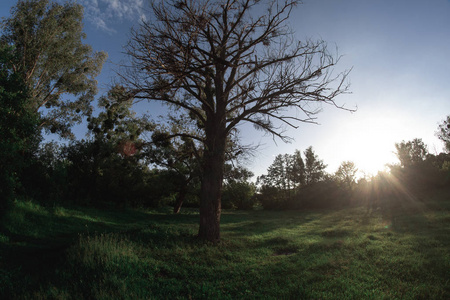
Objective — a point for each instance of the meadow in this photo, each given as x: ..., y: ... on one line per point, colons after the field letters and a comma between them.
x: 400, y: 252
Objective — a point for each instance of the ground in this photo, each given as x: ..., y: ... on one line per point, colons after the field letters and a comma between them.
x: 397, y: 252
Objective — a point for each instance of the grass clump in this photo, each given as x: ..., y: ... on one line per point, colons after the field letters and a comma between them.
x: 102, y: 263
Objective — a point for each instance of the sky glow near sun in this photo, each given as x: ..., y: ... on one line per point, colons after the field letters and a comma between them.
x: 366, y: 138
x: 372, y: 145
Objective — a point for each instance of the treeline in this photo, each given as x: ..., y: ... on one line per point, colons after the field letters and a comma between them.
x: 292, y: 182
x: 127, y: 161
x: 100, y: 173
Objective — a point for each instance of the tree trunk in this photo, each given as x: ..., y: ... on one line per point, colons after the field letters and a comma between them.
x: 180, y: 198
x: 211, y: 190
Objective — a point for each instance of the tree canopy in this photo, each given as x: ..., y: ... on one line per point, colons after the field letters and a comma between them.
x: 18, y: 126
x: 411, y: 152
x: 443, y: 133
x: 314, y: 167
x: 57, y: 68
x: 346, y: 174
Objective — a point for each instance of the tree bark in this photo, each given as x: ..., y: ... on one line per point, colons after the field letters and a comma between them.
x: 211, y: 190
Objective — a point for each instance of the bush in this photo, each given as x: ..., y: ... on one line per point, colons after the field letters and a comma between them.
x: 421, y: 176
x: 321, y: 195
x: 272, y: 198
x: 318, y: 195
x: 238, y: 195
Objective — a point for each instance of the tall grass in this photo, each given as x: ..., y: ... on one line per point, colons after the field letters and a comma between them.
x: 400, y: 253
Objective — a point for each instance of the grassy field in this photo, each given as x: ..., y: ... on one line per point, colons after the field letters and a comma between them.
x: 75, y: 253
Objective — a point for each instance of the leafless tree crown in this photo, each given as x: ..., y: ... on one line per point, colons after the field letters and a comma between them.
x: 232, y: 61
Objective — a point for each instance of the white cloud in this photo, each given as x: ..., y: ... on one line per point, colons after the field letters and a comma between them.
x: 104, y: 14
x: 101, y: 24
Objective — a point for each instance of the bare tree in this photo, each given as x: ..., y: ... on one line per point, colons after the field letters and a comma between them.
x: 222, y: 63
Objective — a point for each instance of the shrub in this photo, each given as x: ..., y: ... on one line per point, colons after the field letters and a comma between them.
x: 319, y: 195
x: 272, y: 198
x: 238, y: 195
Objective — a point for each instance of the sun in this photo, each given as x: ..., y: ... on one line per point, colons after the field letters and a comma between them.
x: 370, y: 143
x: 370, y: 158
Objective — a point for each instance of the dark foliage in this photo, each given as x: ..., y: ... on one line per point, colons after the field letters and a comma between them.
x: 18, y: 128
x: 321, y: 195
x: 239, y: 195
x: 95, y: 173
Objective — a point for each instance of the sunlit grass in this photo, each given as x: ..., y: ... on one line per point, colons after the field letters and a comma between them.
x: 350, y: 253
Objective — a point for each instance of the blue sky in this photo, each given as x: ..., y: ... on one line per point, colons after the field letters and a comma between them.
x: 398, y: 49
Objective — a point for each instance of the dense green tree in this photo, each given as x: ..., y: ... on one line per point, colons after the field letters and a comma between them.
x: 156, y: 144
x: 276, y: 173
x: 44, y: 178
x: 57, y: 68
x: 179, y: 155
x: 222, y: 63
x: 237, y: 173
x: 411, y: 152
x: 238, y: 191
x: 346, y: 173
x: 239, y: 195
x: 100, y: 175
x: 443, y: 133
x: 440, y: 161
x: 297, y: 170
x: 314, y: 167
x: 18, y: 127
x: 286, y: 175
x: 118, y: 123
x: 419, y: 170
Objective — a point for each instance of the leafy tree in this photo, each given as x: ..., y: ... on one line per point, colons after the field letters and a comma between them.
x: 45, y: 178
x: 18, y: 127
x: 297, y: 170
x: 100, y: 175
x: 285, y: 176
x: 218, y: 64
x: 282, y: 174
x: 236, y: 173
x: 238, y: 192
x: 179, y: 155
x: 440, y: 161
x: 324, y: 194
x: 346, y: 173
x: 314, y: 167
x: 118, y: 151
x: 411, y: 152
x: 138, y: 136
x: 276, y: 173
x: 443, y: 133
x: 57, y: 68
x: 118, y: 123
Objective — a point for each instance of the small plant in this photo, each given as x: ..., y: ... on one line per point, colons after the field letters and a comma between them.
x: 105, y: 250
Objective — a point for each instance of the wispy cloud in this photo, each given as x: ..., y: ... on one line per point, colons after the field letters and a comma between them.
x: 105, y: 13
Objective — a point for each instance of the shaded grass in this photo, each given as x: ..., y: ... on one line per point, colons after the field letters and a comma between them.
x: 72, y: 253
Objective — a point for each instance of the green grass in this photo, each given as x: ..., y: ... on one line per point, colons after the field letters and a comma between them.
x: 74, y: 253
